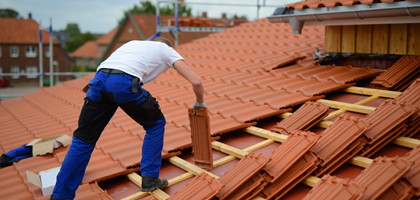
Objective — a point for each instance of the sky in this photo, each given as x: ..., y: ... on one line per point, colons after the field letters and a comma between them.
x: 101, y: 16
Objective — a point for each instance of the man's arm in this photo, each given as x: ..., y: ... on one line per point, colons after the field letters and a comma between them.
x: 188, y: 74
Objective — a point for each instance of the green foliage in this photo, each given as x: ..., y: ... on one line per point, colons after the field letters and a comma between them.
x: 72, y: 29
x: 76, y: 68
x: 148, y: 7
x: 7, y: 12
x: 240, y: 17
x: 79, y: 41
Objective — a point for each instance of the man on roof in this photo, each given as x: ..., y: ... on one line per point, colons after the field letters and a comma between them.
x: 118, y: 83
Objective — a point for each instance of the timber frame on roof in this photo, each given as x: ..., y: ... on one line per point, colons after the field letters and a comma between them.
x: 271, y: 137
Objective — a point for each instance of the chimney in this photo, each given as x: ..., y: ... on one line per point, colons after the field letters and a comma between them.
x: 29, y: 15
x: 204, y: 15
x: 224, y: 16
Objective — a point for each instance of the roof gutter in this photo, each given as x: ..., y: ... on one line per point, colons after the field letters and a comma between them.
x: 389, y: 13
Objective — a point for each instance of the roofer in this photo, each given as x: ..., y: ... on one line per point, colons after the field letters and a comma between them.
x: 118, y: 83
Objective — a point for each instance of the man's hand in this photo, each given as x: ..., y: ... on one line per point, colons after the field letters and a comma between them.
x: 198, y: 105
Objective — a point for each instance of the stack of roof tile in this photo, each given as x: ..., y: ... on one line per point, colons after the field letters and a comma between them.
x: 411, y: 96
x: 388, y: 121
x: 400, y: 75
x: 331, y: 188
x: 413, y: 176
x: 203, y: 186
x: 303, y: 118
x: 340, y: 142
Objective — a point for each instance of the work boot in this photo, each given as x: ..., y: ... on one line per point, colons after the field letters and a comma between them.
x: 52, y: 198
x: 149, y: 184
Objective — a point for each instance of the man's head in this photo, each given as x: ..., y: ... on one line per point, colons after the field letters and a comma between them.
x: 164, y: 40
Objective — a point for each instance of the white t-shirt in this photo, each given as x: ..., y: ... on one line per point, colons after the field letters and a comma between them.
x: 143, y: 59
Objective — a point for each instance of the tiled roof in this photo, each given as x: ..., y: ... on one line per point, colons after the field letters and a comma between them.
x: 22, y: 31
x: 88, y: 50
x: 250, y: 72
x: 106, y: 39
x: 312, y: 4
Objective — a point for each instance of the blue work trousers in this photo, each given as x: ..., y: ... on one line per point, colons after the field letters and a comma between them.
x: 107, y: 92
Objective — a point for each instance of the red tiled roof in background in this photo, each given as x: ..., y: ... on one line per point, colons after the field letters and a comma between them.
x: 88, y: 50
x: 22, y: 31
x: 312, y: 4
x: 106, y: 38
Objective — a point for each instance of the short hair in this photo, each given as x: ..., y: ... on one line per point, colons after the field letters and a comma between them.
x: 164, y: 40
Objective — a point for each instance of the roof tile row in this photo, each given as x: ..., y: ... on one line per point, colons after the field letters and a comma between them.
x: 400, y: 75
x: 313, y: 4
x: 331, y: 187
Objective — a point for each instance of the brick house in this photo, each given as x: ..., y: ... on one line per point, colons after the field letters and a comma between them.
x: 88, y: 54
x: 19, y: 51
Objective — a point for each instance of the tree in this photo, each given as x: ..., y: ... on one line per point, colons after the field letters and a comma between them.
x: 79, y: 41
x: 9, y: 13
x: 72, y: 29
x: 148, y: 7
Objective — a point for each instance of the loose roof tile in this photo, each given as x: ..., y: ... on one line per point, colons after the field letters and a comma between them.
x: 285, y: 169
x: 238, y: 176
x: 401, y: 74
x: 413, y: 176
x: 386, y: 123
x: 381, y: 174
x: 203, y: 186
x: 331, y: 187
x: 200, y: 136
x: 399, y: 190
x: 339, y: 142
x: 303, y: 118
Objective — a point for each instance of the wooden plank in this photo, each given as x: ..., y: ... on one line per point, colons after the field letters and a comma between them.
x: 380, y: 38
x: 341, y: 111
x: 265, y: 134
x: 413, y: 39
x: 259, y: 145
x: 360, y: 161
x: 228, y: 149
x: 183, y: 164
x: 224, y: 160
x: 347, y: 106
x: 348, y: 39
x: 364, y: 39
x: 406, y: 142
x: 311, y: 181
x: 398, y: 39
x: 371, y: 92
x: 333, y: 39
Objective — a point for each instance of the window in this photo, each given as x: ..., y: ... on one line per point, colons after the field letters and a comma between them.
x: 77, y: 61
x: 32, y: 72
x: 14, y: 51
x: 14, y: 70
x: 86, y: 62
x: 0, y: 51
x: 47, y: 51
x: 30, y: 51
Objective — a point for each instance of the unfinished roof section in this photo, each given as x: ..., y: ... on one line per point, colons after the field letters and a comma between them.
x: 400, y: 75
x: 303, y: 119
x: 342, y: 12
x: 330, y: 187
x: 381, y: 174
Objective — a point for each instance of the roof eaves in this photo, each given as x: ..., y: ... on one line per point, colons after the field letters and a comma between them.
x: 378, y: 13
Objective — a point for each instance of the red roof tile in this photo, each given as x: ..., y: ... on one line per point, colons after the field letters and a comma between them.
x: 203, y: 186
x: 313, y: 4
x: 22, y: 31
x: 381, y: 174
x: 303, y: 119
x: 413, y: 176
x: 200, y: 136
x: 330, y: 187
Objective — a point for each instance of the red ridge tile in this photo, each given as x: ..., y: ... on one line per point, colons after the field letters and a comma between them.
x: 381, y: 174
x: 203, y: 186
x: 236, y: 177
x: 330, y: 187
x: 309, y: 114
x: 200, y: 136
x: 339, y: 142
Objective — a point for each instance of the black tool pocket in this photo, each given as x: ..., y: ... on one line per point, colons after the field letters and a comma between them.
x: 151, y: 108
